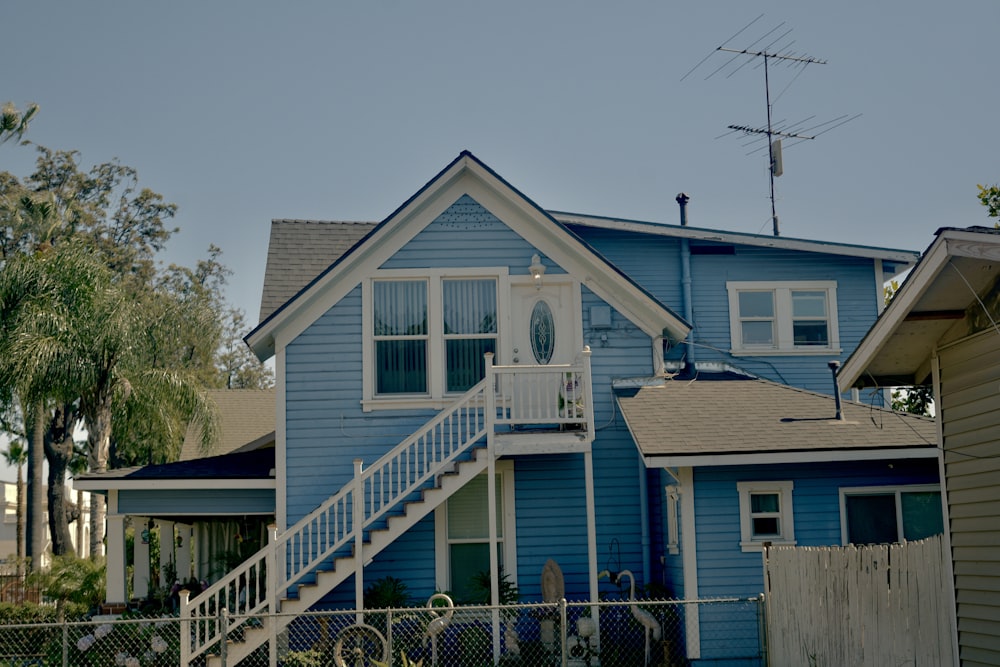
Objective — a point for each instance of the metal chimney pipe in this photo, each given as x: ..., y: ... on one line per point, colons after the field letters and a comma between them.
x: 834, y: 367
x: 682, y: 200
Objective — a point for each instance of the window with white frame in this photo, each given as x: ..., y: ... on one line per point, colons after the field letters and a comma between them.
x: 783, y: 317
x: 883, y: 515
x: 462, y: 533
x: 765, y: 514
x: 428, y: 334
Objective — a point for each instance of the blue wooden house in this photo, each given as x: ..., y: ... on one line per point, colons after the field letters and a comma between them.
x: 478, y: 384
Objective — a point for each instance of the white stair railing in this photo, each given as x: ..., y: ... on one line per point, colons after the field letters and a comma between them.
x: 332, y: 526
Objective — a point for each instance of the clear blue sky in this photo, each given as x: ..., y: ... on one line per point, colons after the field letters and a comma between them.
x: 241, y: 112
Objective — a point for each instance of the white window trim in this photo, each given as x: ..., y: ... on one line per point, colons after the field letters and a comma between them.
x: 436, y: 396
x: 896, y: 490
x: 442, y: 563
x: 787, y: 537
x: 784, y: 340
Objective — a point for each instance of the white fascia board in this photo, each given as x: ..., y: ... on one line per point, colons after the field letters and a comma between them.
x: 576, y: 259
x: 169, y: 484
x: 466, y: 176
x: 915, y: 286
x: 798, y: 456
x: 906, y: 257
x: 332, y: 286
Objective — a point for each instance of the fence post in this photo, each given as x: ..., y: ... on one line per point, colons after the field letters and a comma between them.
x: 762, y: 630
x: 359, y: 534
x: 65, y: 644
x: 224, y: 638
x: 271, y: 572
x: 563, y: 653
x: 185, y: 629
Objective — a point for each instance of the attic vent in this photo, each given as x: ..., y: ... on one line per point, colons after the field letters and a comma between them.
x: 714, y: 249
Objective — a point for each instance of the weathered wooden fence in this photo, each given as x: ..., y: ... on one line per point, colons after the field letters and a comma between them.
x: 879, y: 605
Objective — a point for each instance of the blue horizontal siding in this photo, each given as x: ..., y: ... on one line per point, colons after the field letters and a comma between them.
x: 724, y: 569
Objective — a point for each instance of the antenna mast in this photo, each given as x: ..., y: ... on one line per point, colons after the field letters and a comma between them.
x: 773, y: 145
x: 773, y: 132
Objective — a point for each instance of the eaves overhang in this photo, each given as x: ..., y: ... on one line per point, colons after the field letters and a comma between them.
x: 930, y: 309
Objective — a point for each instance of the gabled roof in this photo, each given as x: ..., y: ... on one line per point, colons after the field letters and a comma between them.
x: 246, y: 421
x: 732, y: 422
x: 466, y: 175
x: 900, y: 258
x: 300, y: 250
x: 932, y: 307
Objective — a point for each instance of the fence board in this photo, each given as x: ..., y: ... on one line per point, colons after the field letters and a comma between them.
x: 870, y: 605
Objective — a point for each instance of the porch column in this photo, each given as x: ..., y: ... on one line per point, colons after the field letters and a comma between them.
x: 183, y: 532
x: 140, y: 555
x: 588, y: 474
x: 115, y: 533
x: 166, y: 550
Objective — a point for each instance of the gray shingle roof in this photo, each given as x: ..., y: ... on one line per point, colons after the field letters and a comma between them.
x: 702, y: 417
x: 298, y: 251
x: 246, y: 418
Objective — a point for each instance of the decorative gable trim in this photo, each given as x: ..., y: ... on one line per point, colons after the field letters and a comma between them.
x: 466, y: 175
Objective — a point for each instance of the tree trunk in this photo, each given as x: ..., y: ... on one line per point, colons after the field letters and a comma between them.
x: 58, y: 450
x: 35, y: 539
x: 99, y: 440
x: 62, y: 541
x: 82, y: 550
x: 21, y: 518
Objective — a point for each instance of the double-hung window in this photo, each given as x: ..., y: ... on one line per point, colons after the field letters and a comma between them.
x: 883, y: 515
x: 462, y: 533
x: 765, y: 514
x: 428, y: 336
x: 783, y: 317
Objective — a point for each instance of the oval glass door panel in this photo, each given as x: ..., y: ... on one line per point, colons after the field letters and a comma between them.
x: 542, y: 332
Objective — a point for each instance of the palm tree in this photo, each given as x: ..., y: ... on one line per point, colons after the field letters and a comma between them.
x: 86, y: 342
x: 17, y: 455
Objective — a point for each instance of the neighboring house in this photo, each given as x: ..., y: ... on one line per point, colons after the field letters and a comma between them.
x: 941, y: 329
x: 205, y: 507
x: 79, y: 530
x: 607, y: 393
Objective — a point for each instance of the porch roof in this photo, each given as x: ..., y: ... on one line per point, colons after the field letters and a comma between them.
x: 718, y: 420
x: 253, y: 469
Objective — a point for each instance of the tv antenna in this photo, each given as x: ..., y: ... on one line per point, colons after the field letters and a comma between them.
x: 776, y: 51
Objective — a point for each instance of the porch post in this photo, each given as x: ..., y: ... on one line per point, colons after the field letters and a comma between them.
x: 491, y: 495
x: 270, y: 563
x: 588, y: 475
x: 358, y: 505
x: 166, y: 550
x: 140, y: 558
x: 588, y: 391
x: 117, y: 591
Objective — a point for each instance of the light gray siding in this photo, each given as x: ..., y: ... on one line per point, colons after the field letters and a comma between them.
x: 970, y: 372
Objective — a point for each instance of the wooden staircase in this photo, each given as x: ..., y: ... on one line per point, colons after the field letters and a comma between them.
x: 322, y: 550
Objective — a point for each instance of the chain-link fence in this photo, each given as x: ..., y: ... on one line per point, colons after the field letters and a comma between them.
x: 608, y: 634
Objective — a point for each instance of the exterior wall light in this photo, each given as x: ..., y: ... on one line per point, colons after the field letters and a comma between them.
x: 537, y: 270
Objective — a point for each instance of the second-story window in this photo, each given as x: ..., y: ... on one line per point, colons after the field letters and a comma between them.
x: 470, y: 329
x: 429, y: 334
x: 399, y: 326
x: 783, y: 317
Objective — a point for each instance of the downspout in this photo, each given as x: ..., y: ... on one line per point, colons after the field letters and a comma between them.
x: 689, y: 356
x: 647, y: 572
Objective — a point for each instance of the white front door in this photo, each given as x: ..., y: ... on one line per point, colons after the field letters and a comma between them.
x: 545, y: 323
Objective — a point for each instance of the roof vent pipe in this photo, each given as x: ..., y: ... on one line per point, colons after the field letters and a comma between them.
x: 682, y: 200
x: 834, y: 367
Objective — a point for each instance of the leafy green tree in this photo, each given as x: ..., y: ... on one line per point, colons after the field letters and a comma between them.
x: 989, y: 196
x: 13, y: 122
